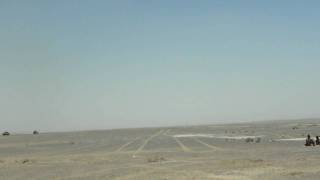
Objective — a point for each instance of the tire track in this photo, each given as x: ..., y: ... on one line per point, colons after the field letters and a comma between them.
x: 146, y: 142
x: 205, y: 144
x: 167, y: 131
x: 182, y: 146
x: 126, y: 144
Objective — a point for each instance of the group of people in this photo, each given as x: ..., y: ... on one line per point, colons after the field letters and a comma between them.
x: 311, y: 142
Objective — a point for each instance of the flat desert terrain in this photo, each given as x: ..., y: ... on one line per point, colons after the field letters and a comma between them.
x: 260, y: 150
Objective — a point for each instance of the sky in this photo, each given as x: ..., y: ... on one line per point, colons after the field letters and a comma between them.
x: 91, y: 64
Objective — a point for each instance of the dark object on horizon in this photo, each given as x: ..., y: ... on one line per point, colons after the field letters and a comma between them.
x: 5, y: 134
x: 309, y: 141
x: 258, y: 140
x: 317, y: 140
x: 249, y: 140
x: 35, y: 132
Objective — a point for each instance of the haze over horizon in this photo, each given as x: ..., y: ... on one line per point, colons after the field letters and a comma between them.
x: 76, y: 65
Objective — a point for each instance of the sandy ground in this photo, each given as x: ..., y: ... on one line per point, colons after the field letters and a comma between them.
x: 197, y: 152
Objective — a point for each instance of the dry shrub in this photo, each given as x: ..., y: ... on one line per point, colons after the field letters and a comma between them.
x: 154, y: 159
x: 296, y: 173
x: 257, y: 160
x: 25, y: 161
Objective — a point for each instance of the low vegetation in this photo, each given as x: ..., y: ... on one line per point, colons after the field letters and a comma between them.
x: 156, y: 158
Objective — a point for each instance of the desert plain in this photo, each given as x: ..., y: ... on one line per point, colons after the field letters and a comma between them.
x: 250, y: 150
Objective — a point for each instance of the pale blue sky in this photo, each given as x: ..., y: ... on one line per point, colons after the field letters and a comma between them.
x: 73, y: 65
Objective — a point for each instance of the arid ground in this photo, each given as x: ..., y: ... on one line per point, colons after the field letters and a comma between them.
x: 261, y: 150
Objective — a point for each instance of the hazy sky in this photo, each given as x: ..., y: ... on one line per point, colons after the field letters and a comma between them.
x: 88, y: 64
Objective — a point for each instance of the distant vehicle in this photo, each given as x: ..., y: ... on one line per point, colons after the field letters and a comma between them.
x: 35, y: 132
x: 5, y: 134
